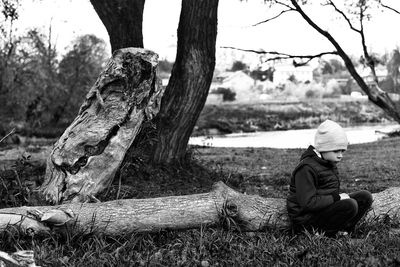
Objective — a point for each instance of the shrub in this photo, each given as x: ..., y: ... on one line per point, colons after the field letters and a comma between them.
x: 332, y: 89
x: 238, y: 65
x: 227, y: 93
x: 311, y: 94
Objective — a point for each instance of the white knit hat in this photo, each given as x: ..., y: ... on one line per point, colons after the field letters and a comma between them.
x: 330, y: 136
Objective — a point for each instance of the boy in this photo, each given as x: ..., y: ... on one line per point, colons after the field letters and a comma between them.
x: 314, y: 201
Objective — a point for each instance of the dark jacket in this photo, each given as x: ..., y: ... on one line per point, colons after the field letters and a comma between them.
x: 314, y: 185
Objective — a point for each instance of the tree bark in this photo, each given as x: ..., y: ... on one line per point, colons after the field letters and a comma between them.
x: 247, y: 212
x: 85, y: 159
x: 123, y: 21
x: 192, y: 73
x: 190, y: 79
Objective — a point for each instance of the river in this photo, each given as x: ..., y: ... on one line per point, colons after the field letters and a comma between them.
x: 291, y: 138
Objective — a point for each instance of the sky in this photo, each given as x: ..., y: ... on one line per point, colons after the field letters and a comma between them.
x: 288, y: 34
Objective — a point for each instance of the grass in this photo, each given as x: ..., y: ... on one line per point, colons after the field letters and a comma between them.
x: 375, y: 246
x: 373, y: 166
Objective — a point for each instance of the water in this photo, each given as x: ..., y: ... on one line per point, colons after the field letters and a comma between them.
x: 290, y: 138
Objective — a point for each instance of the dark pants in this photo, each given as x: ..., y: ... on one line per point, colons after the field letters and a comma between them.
x: 341, y: 215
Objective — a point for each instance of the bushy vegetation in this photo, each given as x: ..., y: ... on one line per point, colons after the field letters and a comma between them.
x: 231, y: 118
x: 227, y: 94
x: 41, y: 88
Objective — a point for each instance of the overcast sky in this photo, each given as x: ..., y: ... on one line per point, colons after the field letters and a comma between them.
x: 290, y: 34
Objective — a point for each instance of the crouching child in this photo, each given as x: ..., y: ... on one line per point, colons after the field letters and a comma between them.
x: 314, y: 200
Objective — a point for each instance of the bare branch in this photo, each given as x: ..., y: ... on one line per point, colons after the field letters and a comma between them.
x: 288, y: 8
x: 369, y: 60
x: 7, y: 135
x: 275, y: 17
x: 330, y: 2
x: 283, y: 4
x: 390, y: 8
x: 280, y: 56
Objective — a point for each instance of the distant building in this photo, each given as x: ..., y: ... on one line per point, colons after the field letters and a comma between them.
x: 214, y: 99
x: 366, y: 74
x: 283, y: 71
x: 341, y: 81
x: 238, y: 82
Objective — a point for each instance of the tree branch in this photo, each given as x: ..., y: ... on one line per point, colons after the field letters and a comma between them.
x: 275, y: 17
x: 369, y: 61
x: 280, y: 56
x: 376, y: 95
x: 344, y: 16
x: 390, y: 8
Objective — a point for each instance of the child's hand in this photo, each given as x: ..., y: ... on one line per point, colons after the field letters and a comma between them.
x: 343, y: 196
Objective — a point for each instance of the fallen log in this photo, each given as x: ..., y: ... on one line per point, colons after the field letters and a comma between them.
x: 83, y: 162
x: 221, y: 205
x: 23, y: 258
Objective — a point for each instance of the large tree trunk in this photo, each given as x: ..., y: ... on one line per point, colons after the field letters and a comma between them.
x: 222, y: 204
x: 85, y: 159
x: 123, y: 21
x: 192, y: 73
x: 190, y: 80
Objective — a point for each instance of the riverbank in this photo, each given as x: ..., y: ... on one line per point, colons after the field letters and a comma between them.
x: 270, y: 116
x: 300, y: 138
x: 229, y: 118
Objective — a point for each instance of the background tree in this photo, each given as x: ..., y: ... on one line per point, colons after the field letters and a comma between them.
x: 29, y: 70
x: 40, y: 77
x: 47, y: 89
x: 78, y: 70
x: 332, y: 66
x: 262, y: 75
x: 393, y: 66
x: 39, y: 87
x: 354, y: 13
x: 8, y: 62
x: 238, y: 65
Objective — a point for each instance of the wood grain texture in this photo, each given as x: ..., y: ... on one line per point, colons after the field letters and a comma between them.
x: 86, y: 157
x: 249, y: 212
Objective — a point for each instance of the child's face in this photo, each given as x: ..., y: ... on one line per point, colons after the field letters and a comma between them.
x: 333, y: 156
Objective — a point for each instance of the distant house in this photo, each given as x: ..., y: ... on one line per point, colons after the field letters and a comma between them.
x: 365, y: 73
x: 341, y: 81
x: 238, y: 82
x: 283, y: 71
x: 214, y: 99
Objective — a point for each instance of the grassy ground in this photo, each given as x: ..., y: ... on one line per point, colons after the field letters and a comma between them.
x: 373, y: 166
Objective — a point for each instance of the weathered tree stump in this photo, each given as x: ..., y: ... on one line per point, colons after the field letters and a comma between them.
x: 248, y: 212
x: 85, y: 159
